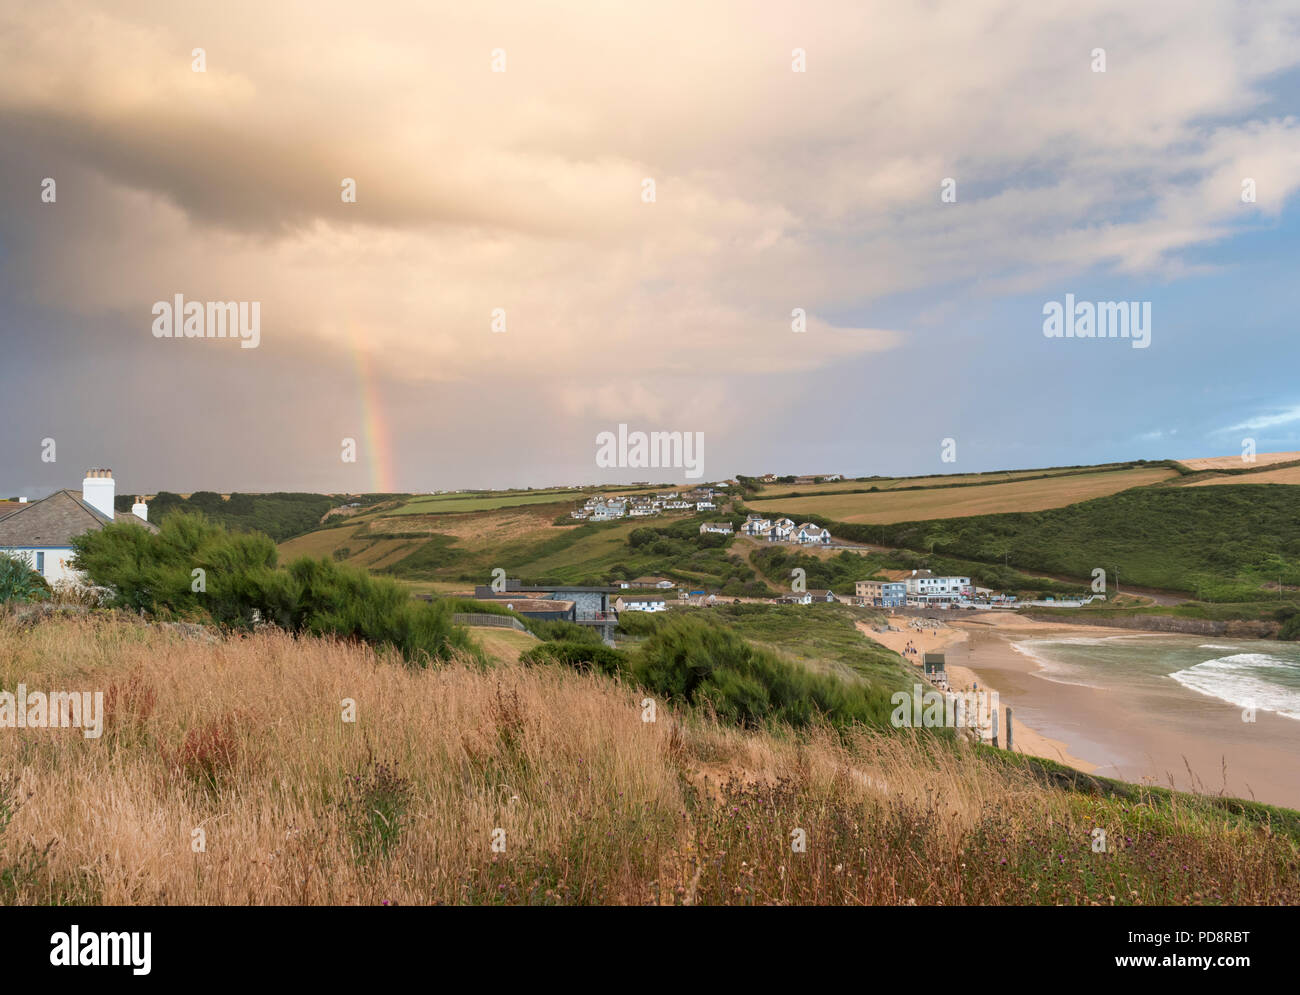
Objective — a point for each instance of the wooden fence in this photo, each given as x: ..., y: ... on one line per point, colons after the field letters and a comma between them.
x: 478, y: 618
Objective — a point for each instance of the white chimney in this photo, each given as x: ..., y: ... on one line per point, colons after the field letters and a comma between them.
x: 97, y: 491
x: 140, y: 509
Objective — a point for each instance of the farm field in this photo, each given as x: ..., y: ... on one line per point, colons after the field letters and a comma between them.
x: 936, y: 480
x: 442, y: 504
x: 1282, y: 475
x: 1234, y: 462
x: 884, y: 507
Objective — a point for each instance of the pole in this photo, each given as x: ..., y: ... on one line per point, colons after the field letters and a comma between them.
x: 1008, y: 727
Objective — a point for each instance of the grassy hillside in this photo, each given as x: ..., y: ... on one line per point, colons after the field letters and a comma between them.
x: 279, y: 515
x: 588, y: 803
x: 528, y: 544
x: 952, y: 500
x: 1224, y: 543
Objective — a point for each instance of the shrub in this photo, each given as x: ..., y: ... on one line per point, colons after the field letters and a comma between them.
x: 561, y: 631
x: 639, y: 623
x: 698, y: 661
x: 19, y: 582
x: 158, y: 573
x: 1290, y: 628
x: 583, y: 656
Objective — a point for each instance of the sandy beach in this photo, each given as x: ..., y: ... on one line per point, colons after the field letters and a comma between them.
x: 960, y: 678
x: 1162, y: 734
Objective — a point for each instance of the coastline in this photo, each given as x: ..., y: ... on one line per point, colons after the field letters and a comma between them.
x: 1025, y: 739
x: 1156, y: 733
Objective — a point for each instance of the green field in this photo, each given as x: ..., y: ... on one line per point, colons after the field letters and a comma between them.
x: 445, y: 504
x: 1221, y: 543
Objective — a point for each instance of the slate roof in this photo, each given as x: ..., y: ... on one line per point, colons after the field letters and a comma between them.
x: 532, y: 606
x: 55, y: 520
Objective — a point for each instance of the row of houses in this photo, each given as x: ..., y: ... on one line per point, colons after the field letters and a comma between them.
x: 602, y: 509
x: 922, y: 588
x: 785, y: 530
x: 807, y: 598
x: 772, y: 478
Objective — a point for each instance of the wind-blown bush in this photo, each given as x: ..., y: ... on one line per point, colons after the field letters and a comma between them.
x: 19, y: 582
x: 584, y: 656
x: 240, y: 577
x: 697, y: 661
x: 560, y: 630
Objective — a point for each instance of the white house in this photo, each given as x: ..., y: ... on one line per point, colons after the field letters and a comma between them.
x: 926, y: 587
x: 41, y: 532
x: 606, y: 512
x: 640, y: 603
x: 704, y: 505
x: 809, y: 534
x: 721, y: 528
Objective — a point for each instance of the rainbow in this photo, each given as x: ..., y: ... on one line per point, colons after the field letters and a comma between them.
x: 376, y: 439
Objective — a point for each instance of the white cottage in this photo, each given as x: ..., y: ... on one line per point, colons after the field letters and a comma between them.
x: 41, y: 532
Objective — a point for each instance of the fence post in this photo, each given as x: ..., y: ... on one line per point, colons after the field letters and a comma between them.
x: 1008, y: 727
x: 995, y: 728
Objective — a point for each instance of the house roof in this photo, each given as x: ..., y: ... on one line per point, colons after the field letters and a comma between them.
x: 528, y: 606
x: 57, y: 519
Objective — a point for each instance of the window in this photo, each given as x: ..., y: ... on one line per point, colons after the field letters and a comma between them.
x: 40, y: 563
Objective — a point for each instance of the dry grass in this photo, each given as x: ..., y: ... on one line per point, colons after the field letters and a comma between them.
x: 1282, y: 475
x: 885, y: 507
x: 891, y: 483
x: 243, y: 738
x: 1235, y: 462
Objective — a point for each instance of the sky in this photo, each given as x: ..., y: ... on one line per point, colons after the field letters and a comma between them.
x: 821, y: 236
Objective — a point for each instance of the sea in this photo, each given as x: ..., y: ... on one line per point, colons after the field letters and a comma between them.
x: 1248, y: 673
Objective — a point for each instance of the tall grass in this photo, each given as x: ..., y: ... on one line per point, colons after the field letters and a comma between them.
x: 242, y: 737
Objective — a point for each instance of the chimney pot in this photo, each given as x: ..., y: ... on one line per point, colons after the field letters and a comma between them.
x: 97, y: 490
